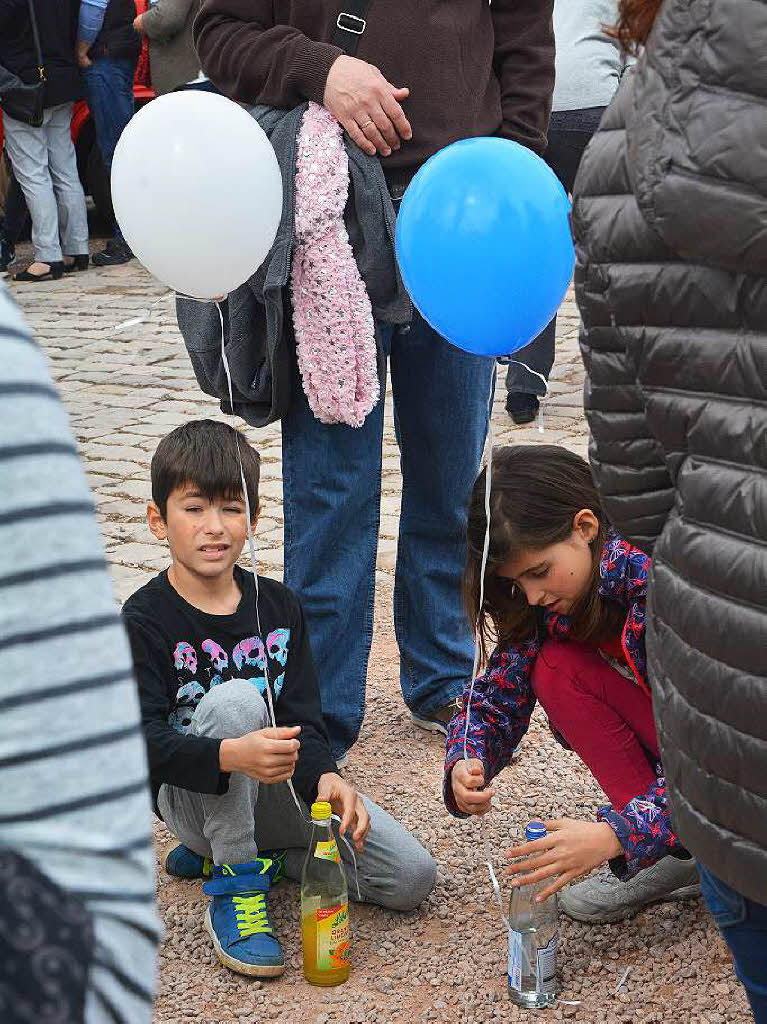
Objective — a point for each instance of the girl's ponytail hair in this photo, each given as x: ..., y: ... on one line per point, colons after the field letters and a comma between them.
x: 537, y: 490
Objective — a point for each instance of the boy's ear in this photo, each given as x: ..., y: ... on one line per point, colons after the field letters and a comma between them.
x: 156, y: 522
x: 586, y: 524
x: 254, y: 516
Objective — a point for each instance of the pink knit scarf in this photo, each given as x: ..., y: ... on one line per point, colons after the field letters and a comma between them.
x: 332, y: 315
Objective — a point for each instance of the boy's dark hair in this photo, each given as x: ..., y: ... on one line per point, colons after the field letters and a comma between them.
x: 204, y: 453
x: 536, y: 491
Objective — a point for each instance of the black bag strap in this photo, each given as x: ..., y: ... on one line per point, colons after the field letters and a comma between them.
x: 350, y: 24
x: 36, y: 37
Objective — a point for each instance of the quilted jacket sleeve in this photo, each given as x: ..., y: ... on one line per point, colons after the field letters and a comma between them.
x: 644, y: 830
x: 499, y: 715
x: 626, y: 460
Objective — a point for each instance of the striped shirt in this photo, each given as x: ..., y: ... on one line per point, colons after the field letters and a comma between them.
x: 73, y: 778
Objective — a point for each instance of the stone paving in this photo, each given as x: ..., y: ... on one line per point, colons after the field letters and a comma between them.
x: 125, y: 389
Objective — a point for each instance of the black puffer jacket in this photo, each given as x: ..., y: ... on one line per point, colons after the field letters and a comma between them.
x: 670, y: 221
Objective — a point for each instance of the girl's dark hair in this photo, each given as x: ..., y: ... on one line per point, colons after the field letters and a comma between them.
x: 635, y: 21
x: 536, y: 492
x: 204, y: 453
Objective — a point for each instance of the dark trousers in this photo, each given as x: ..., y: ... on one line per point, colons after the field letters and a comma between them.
x: 109, y: 87
x: 569, y: 134
x: 15, y: 214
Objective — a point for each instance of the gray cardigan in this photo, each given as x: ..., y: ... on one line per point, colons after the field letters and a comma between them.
x: 258, y: 328
x: 172, y: 56
x: 670, y: 225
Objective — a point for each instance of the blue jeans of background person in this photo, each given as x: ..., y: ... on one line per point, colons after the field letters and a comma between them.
x: 332, y: 496
x: 569, y: 133
x: 109, y: 88
x: 743, y: 925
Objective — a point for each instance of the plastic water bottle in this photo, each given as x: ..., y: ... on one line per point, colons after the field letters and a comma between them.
x: 533, y: 941
x: 324, y: 905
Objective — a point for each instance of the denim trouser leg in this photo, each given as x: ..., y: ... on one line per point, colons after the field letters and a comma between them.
x: 109, y: 86
x: 441, y: 397
x: 743, y: 924
x: 331, y: 504
x: 45, y: 166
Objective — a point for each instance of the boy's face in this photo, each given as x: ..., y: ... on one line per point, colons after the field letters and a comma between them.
x: 205, y: 537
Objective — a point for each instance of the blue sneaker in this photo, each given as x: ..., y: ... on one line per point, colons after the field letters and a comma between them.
x: 181, y: 862
x: 238, y: 922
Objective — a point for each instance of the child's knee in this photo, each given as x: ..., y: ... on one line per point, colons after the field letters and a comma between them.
x: 553, y: 679
x: 415, y: 879
x: 231, y: 709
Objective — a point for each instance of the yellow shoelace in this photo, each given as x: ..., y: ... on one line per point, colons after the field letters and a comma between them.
x: 250, y: 912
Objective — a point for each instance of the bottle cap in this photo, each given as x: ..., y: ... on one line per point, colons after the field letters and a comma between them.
x: 321, y: 811
x: 535, y: 830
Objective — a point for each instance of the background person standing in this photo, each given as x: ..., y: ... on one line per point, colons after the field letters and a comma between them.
x: 589, y: 66
x: 108, y: 48
x: 425, y: 75
x: 43, y: 158
x: 173, y: 60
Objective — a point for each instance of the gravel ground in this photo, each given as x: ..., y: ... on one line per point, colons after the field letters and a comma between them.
x: 447, y: 961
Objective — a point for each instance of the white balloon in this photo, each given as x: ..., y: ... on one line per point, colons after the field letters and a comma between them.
x: 197, y: 192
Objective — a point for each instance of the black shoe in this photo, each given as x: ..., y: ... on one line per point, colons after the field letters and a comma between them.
x: 7, y: 254
x: 116, y: 251
x: 79, y: 262
x: 54, y: 273
x: 522, y: 407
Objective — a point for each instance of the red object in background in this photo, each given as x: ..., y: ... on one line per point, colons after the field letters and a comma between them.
x: 90, y: 166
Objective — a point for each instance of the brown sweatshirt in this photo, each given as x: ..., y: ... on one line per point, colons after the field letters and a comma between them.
x: 472, y: 68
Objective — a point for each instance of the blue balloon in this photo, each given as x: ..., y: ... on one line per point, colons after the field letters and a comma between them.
x: 483, y: 243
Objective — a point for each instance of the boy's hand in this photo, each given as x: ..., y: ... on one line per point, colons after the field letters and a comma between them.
x: 571, y: 849
x: 467, y: 779
x: 269, y: 755
x: 347, y: 804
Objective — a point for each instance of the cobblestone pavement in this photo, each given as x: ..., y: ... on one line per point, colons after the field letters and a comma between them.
x: 445, y: 962
x: 125, y: 389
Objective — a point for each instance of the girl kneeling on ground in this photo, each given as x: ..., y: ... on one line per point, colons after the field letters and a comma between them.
x: 565, y: 604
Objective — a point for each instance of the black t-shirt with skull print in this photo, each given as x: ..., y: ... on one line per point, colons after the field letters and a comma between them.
x: 180, y: 652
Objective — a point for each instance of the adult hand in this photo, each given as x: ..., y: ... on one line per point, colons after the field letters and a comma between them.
x: 367, y: 105
x: 269, y: 755
x: 81, y: 55
x: 137, y: 24
x: 348, y: 805
x: 571, y: 848
x: 467, y: 779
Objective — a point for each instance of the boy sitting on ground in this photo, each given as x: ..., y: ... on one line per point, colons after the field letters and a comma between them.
x: 205, y: 647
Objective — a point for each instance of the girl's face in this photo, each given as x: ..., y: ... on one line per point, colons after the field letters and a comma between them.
x: 556, y: 577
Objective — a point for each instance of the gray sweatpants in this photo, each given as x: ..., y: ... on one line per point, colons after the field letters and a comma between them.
x: 45, y: 165
x: 394, y: 870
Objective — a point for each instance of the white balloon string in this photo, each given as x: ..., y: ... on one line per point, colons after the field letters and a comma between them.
x: 254, y: 573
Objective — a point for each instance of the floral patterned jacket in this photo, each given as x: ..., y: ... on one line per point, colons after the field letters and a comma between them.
x: 503, y: 701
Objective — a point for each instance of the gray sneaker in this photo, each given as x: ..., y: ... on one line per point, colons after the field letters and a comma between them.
x: 604, y: 898
x: 435, y: 721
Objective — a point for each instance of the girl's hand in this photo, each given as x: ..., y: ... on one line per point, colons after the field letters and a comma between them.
x: 467, y: 779
x: 572, y: 848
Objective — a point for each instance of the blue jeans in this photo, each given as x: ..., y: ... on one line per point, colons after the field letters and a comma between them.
x: 743, y: 925
x: 109, y: 88
x: 332, y: 497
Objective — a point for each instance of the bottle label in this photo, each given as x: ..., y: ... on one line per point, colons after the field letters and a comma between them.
x: 547, y: 964
x: 327, y: 851
x: 515, y: 960
x: 333, y: 945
